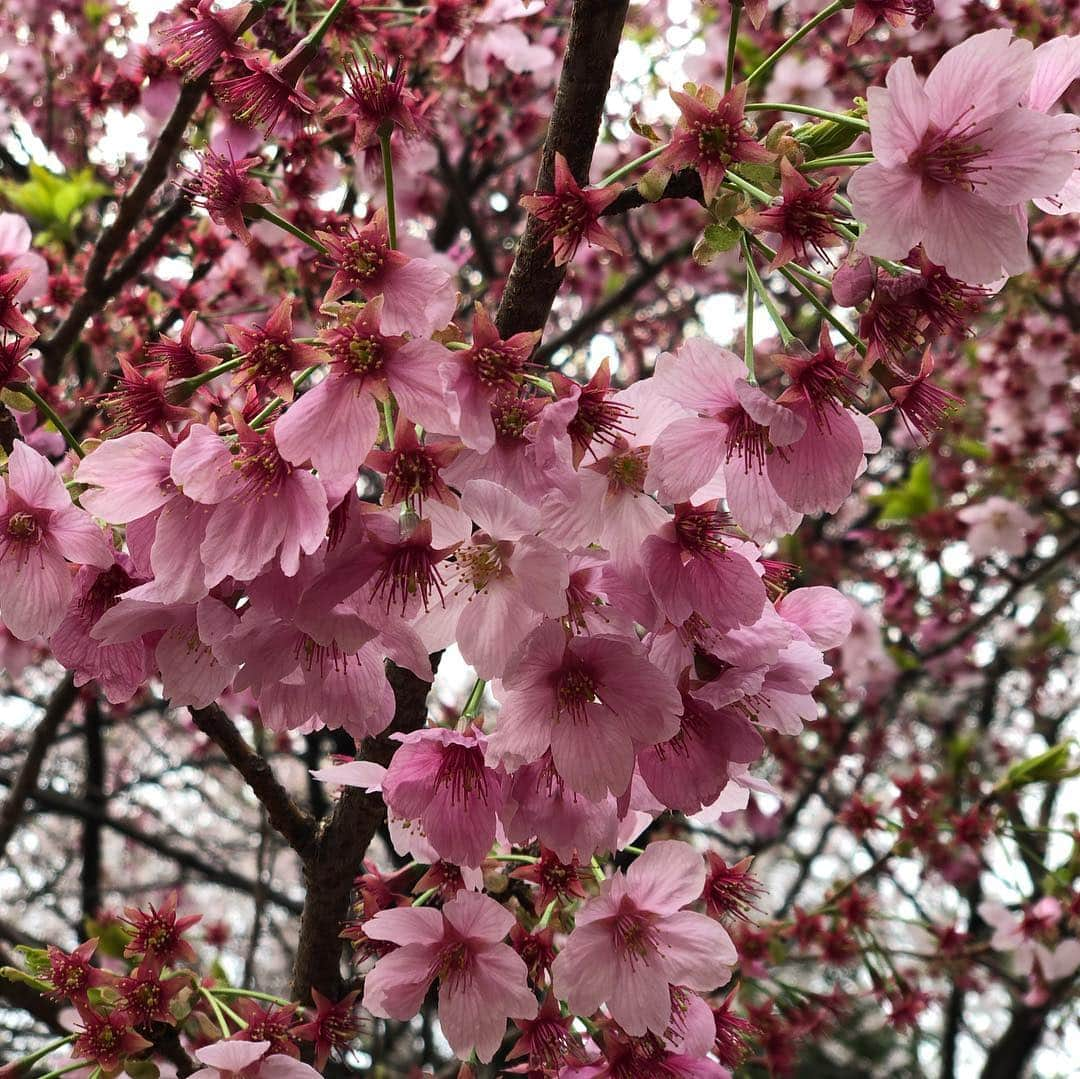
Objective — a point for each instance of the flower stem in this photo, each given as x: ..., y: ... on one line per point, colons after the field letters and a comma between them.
x: 472, y: 705
x: 230, y: 991
x: 185, y: 389
x: 388, y: 179
x: 732, y: 41
x: 802, y: 271
x: 276, y: 402
x: 748, y: 334
x: 629, y: 167
x: 748, y: 188
x: 287, y: 226
x: 50, y: 414
x: 24, y: 1063
x: 807, y: 27
x: 786, y: 336
x: 421, y: 899
x: 808, y: 110
x: 314, y: 39
x: 549, y: 910
x: 65, y: 1069
x: 215, y: 1007
x: 597, y: 872
x: 387, y: 407
x: 837, y: 161
x: 823, y: 310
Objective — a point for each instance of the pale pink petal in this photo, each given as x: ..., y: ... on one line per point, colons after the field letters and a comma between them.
x: 890, y: 203
x: 668, y: 876
x: 34, y: 595
x: 418, y: 298
x: 686, y: 456
x: 406, y: 925
x: 698, y: 952
x: 817, y: 472
x: 477, y: 916
x: 132, y: 474
x: 699, y: 375
x: 497, y: 511
x: 79, y: 539
x: 640, y: 999
x: 755, y: 506
x: 974, y: 240
x: 1057, y: 65
x: 396, y: 986
x: 542, y: 575
x: 231, y: 1056
x: 822, y: 613
x: 35, y: 480
x: 899, y: 115
x: 593, y: 757
x: 202, y: 467
x: 413, y: 373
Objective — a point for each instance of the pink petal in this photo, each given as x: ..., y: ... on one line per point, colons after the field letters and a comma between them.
x: 132, y: 474
x: 668, y: 876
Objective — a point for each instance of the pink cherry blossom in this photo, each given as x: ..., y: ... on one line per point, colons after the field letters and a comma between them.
x: 590, y: 700
x: 634, y: 941
x: 997, y: 525
x: 956, y: 153
x: 15, y: 254
x: 482, y: 981
x: 40, y: 533
x: 248, y: 1060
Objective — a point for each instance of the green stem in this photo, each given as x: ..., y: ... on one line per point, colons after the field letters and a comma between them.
x: 597, y: 872
x: 287, y: 226
x: 808, y: 110
x: 786, y: 336
x: 540, y: 384
x: 807, y: 27
x: 549, y: 910
x: 215, y: 1007
x: 837, y: 161
x: 732, y: 41
x: 65, y: 1069
x: 629, y: 167
x: 748, y: 188
x: 241, y: 1023
x: 526, y: 859
x: 229, y: 991
x: 44, y: 1051
x: 314, y: 39
x: 387, y: 406
x: 472, y: 705
x: 421, y: 899
x: 185, y: 389
x: 748, y: 334
x: 823, y: 310
x: 388, y: 180
x: 49, y: 413
x: 802, y: 271
x: 276, y: 402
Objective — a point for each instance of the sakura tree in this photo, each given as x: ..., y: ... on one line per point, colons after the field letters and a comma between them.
x: 537, y: 538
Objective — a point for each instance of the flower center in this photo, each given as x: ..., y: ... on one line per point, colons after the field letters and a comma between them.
x: 947, y: 157
x: 363, y: 355
x: 746, y: 438
x: 462, y: 771
x: 717, y: 141
x: 480, y: 563
x: 496, y: 367
x: 633, y: 932
x: 362, y: 259
x: 627, y: 470
x: 23, y: 527
x: 575, y: 690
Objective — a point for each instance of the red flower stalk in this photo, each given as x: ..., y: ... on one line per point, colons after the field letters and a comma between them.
x: 181, y: 357
x: 378, y: 102
x: 108, y: 1040
x: 895, y: 12
x: 222, y: 186
x: 334, y: 1026
x: 11, y: 318
x: 801, y: 220
x: 159, y: 933
x: 922, y: 406
x: 138, y: 401
x: 269, y: 353
x: 712, y: 135
x: 572, y: 214
x: 269, y: 93
x: 198, y: 44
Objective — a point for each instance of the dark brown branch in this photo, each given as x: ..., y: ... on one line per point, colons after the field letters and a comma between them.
x: 595, y: 29
x: 683, y: 185
x: 596, y: 315
x: 291, y: 822
x: 26, y: 781
x: 97, y: 283
x: 343, y: 839
x: 94, y: 794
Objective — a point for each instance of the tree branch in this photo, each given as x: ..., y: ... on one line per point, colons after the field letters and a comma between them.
x: 683, y: 185
x: 26, y: 781
x: 595, y: 29
x: 292, y: 823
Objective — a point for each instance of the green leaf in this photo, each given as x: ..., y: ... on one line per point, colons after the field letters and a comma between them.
x: 36, y: 959
x: 973, y: 448
x: 912, y: 498
x: 1050, y: 767
x: 113, y: 937
x: 13, y: 974
x: 828, y: 137
x: 54, y: 202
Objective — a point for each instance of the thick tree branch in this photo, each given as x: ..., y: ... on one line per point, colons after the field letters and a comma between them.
x: 99, y: 286
x: 26, y: 781
x: 295, y: 826
x: 595, y: 29
x: 343, y: 839
x: 683, y: 185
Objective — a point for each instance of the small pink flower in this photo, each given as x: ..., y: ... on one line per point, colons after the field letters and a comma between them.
x: 248, y: 1060
x: 634, y: 942
x: 270, y: 94
x: 181, y: 357
x: 197, y: 45
x: 474, y: 377
x: 572, y: 214
x: 16, y: 240
x: 366, y: 365
x: 139, y: 400
x: 1057, y: 65
x: 956, y: 154
x: 711, y: 136
x: 223, y: 187
x: 482, y: 981
x: 438, y: 778
x: 418, y: 297
x: 377, y: 102
x: 997, y: 525
x: 895, y: 12
x: 262, y: 506
x: 268, y: 353
x: 40, y: 532
x: 593, y: 701
x: 12, y: 285
x: 922, y: 406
